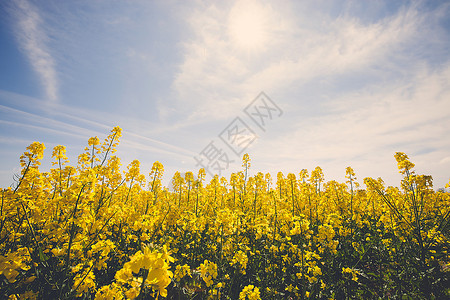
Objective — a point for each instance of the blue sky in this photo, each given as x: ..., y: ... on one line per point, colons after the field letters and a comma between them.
x: 346, y: 83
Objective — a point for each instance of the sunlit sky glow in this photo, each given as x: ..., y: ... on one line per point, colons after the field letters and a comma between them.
x: 249, y: 26
x: 356, y: 82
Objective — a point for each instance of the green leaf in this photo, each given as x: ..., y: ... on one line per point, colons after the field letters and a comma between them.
x: 42, y: 256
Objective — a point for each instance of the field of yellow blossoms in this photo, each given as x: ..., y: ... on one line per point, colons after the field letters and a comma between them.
x: 96, y: 231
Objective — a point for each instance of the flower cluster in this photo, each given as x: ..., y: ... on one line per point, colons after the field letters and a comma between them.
x: 250, y: 292
x: 240, y: 259
x: 208, y: 271
x: 156, y: 277
x: 352, y: 272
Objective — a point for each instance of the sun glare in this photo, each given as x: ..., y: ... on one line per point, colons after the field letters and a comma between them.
x: 248, y: 29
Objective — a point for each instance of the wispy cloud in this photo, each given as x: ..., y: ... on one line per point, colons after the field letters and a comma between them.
x: 370, y: 82
x: 33, y: 40
x: 341, y: 46
x: 215, y: 77
x: 63, y: 120
x: 410, y: 115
